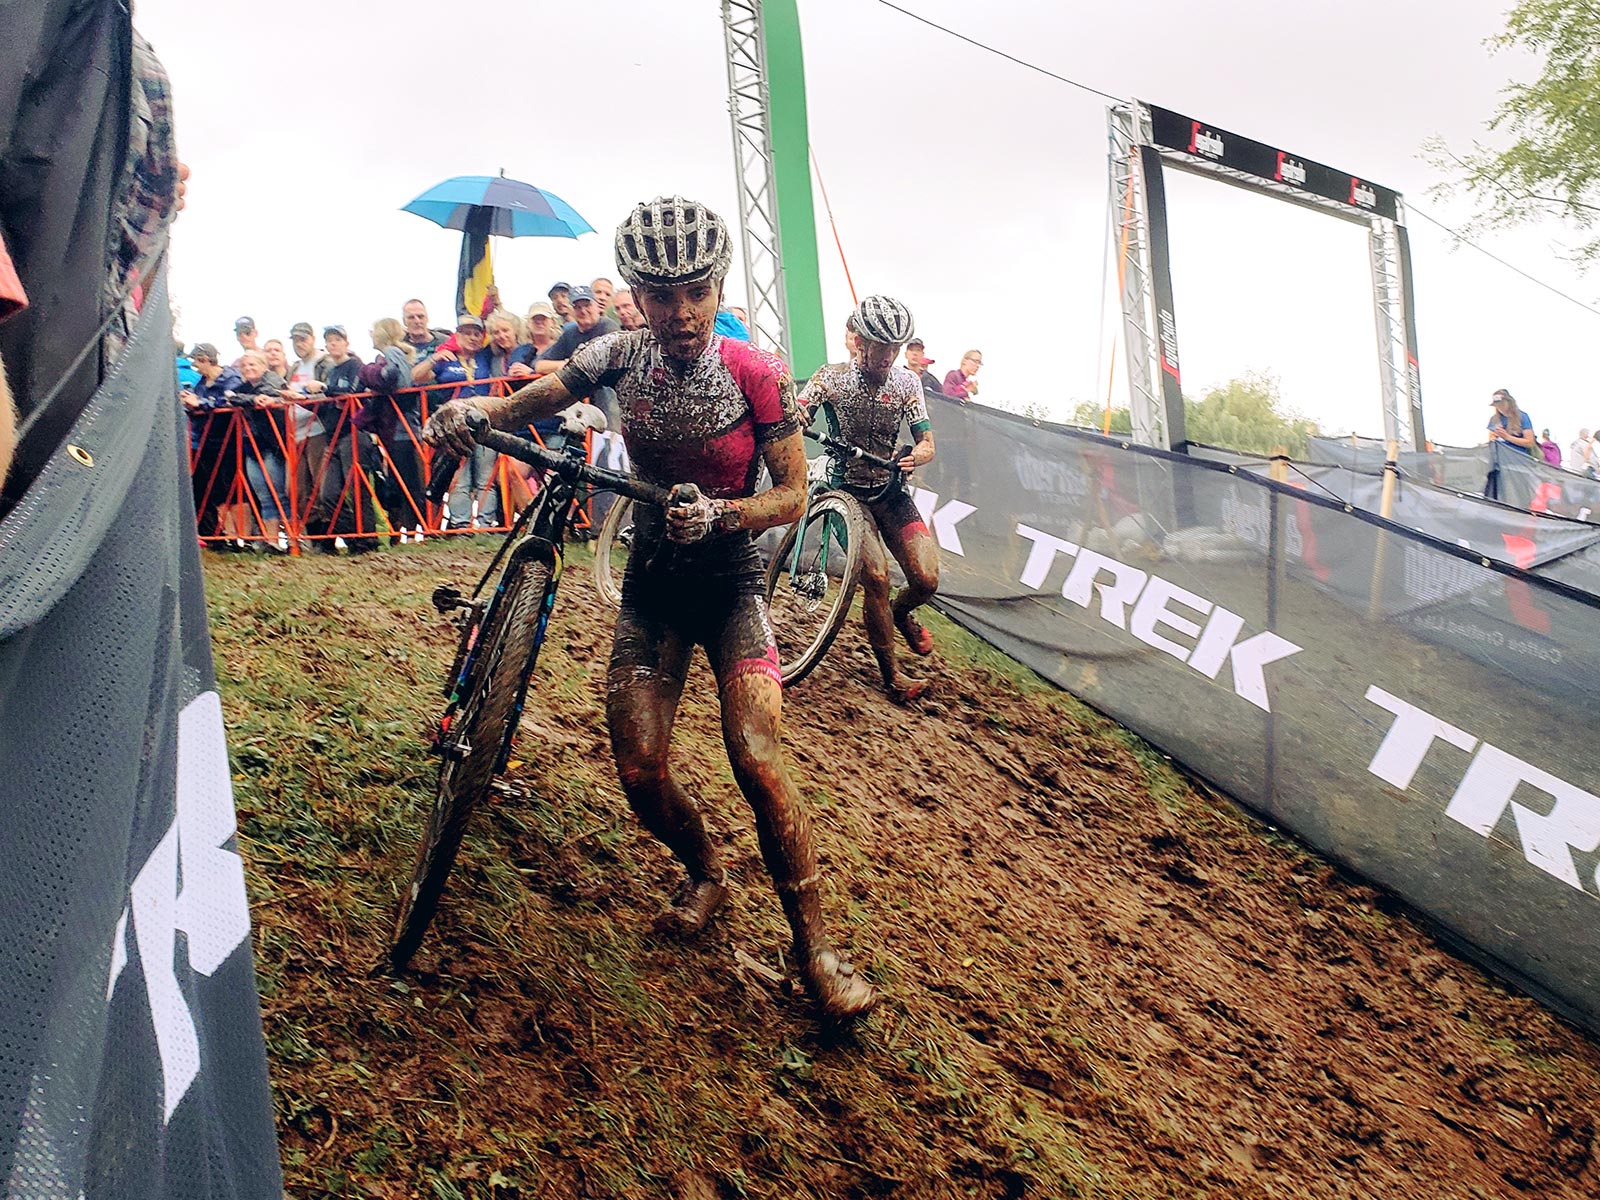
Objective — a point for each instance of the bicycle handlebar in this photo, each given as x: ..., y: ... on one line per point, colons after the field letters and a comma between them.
x: 847, y: 450
x: 573, y: 470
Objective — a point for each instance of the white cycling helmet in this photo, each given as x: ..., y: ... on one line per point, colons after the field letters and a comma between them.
x: 883, y: 319
x: 672, y: 241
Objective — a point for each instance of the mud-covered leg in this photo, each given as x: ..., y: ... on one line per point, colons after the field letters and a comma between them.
x: 913, y: 547
x: 648, y: 665
x: 875, y: 611
x: 752, y: 700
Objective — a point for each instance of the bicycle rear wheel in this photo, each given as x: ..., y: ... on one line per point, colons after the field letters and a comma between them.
x: 487, y: 713
x: 611, y: 550
x: 809, y: 593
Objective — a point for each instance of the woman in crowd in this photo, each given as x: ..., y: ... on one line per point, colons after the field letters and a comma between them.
x: 504, y: 328
x: 263, y: 450
x: 344, y: 497
x: 1510, y: 424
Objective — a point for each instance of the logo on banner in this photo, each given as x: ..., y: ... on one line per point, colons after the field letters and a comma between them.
x: 189, y: 884
x: 1362, y: 195
x: 1562, y: 819
x: 1290, y: 170
x: 1203, y: 141
x: 1159, y: 613
x: 942, y: 519
x: 1169, y: 342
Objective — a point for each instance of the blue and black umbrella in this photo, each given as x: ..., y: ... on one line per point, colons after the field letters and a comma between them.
x: 500, y: 207
x: 484, y: 206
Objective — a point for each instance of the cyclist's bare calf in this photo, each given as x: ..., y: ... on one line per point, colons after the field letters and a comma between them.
x: 913, y: 548
x: 641, y: 703
x: 751, y: 708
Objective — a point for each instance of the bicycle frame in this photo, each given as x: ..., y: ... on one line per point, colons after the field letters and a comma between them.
x: 838, y: 451
x: 539, y: 534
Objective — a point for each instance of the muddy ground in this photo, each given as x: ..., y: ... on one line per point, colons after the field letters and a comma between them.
x: 1101, y: 978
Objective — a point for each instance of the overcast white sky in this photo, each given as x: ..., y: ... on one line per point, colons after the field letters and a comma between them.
x: 973, y: 189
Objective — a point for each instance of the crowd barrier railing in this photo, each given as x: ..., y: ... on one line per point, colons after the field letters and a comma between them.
x: 263, y: 472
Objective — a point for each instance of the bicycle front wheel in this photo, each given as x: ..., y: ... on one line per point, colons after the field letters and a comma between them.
x: 611, y: 549
x: 487, y: 715
x: 812, y: 579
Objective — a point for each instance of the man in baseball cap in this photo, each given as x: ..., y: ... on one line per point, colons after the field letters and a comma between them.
x: 245, y: 330
x: 918, y: 362
x: 559, y: 297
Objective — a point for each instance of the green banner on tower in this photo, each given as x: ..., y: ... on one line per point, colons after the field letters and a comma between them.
x: 797, y: 220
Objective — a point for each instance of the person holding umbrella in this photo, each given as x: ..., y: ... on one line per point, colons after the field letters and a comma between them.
x: 474, y: 500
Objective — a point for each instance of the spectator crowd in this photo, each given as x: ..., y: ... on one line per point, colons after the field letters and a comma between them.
x: 305, y: 447
x: 1508, y: 424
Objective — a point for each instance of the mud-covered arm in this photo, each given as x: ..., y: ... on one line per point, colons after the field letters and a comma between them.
x: 921, y: 452
x: 781, y: 504
x: 544, y: 397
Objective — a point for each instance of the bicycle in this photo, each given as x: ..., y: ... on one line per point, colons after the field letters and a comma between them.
x: 501, y: 634
x: 812, y: 578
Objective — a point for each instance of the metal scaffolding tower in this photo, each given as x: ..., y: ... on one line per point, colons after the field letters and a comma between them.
x: 749, y: 107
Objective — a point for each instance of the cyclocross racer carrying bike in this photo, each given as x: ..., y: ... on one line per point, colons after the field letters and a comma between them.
x: 866, y: 402
x: 696, y: 409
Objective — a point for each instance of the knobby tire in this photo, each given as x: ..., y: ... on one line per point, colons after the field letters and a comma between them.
x: 507, y: 657
x: 804, y: 634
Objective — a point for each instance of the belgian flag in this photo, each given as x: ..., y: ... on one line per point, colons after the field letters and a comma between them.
x: 476, y: 275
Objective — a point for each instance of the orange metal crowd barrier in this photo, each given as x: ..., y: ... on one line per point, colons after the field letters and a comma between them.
x: 359, y: 484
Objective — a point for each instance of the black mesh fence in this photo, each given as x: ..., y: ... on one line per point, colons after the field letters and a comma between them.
x: 1496, y: 470
x: 1544, y: 543
x: 131, y: 1053
x: 1414, y: 708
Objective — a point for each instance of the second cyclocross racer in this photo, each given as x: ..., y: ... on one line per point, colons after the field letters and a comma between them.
x: 697, y: 409
x: 866, y: 402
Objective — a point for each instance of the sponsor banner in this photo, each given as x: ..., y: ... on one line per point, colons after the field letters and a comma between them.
x: 1161, y: 285
x: 1174, y: 131
x: 1413, y: 713
x: 133, y: 1063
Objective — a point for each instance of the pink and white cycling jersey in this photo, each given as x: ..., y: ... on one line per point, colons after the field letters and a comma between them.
x: 703, y: 422
x: 869, y: 417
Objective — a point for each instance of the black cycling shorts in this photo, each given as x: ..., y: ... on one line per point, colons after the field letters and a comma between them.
x: 896, y: 513
x: 723, y: 607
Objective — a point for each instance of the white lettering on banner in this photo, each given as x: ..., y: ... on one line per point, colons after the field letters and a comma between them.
x: 1548, y: 839
x: 1219, y: 643
x: 1149, y: 595
x: 1361, y: 194
x: 1115, y: 597
x: 1488, y: 788
x: 942, y: 521
x: 1152, y: 611
x: 1409, y: 739
x: 1045, y: 548
x: 211, y: 908
x: 1208, y: 143
x: 1291, y: 171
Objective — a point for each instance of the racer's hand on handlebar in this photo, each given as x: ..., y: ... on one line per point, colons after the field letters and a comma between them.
x: 908, y: 464
x: 691, y: 517
x: 448, y: 428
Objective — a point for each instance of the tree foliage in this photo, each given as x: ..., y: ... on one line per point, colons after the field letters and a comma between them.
x: 1246, y: 414
x: 1544, y: 159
